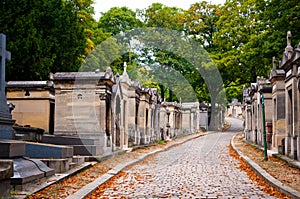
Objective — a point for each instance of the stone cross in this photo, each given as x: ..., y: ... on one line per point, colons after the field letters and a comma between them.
x: 274, y: 63
x: 5, y: 55
x: 125, y: 67
x: 289, y: 38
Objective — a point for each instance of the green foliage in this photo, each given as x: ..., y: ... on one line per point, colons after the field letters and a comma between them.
x: 102, y: 56
x: 119, y: 19
x: 161, y: 16
x: 160, y: 142
x: 241, y: 36
x: 201, y: 23
x: 44, y: 36
x: 279, y: 17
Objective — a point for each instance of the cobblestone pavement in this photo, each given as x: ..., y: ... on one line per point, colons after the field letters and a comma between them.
x: 201, y: 168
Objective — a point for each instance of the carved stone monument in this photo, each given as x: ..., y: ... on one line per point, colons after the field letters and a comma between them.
x: 6, y: 121
x: 18, y: 170
x: 6, y: 166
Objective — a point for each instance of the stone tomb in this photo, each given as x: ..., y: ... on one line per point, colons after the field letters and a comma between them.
x: 235, y: 108
x: 83, y: 107
x: 25, y: 169
x: 190, y: 117
x: 171, y: 119
x: 253, y: 106
x: 203, y: 120
x: 155, y: 107
x: 120, y: 101
x: 145, y: 116
x: 278, y: 100
x: 81, y: 146
x: 34, y: 103
x: 290, y: 64
x: 133, y: 91
x: 264, y: 86
x: 143, y: 113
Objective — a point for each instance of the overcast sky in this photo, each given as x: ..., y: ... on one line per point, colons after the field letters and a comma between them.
x: 105, y: 5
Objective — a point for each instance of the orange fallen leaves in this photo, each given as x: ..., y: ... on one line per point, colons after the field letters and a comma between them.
x: 253, y: 176
x: 58, y: 190
x: 109, y: 184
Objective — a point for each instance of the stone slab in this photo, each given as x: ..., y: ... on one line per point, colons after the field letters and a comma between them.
x: 48, y: 171
x: 25, y: 171
x: 40, y: 184
x: 66, y: 140
x: 11, y: 148
x: 59, y: 165
x: 84, y: 150
x: 6, y: 169
x: 40, y: 150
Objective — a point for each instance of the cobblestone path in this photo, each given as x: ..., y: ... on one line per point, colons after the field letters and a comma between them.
x: 201, y: 168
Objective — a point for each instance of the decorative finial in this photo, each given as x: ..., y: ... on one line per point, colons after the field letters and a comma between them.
x: 274, y: 63
x: 289, y: 38
x: 125, y: 67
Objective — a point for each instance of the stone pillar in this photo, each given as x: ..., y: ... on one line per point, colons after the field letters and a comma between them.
x: 6, y: 120
x: 290, y: 85
x: 277, y: 78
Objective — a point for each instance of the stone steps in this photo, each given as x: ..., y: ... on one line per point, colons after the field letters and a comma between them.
x: 64, y: 164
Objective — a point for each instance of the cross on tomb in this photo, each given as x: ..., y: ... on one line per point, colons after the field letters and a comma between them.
x: 289, y: 38
x: 5, y: 55
x: 125, y: 67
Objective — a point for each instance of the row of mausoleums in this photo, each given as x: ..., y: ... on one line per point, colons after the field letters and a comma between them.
x: 106, y: 112
x: 282, y: 105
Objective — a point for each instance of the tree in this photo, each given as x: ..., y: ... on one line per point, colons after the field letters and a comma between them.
x: 279, y: 17
x: 238, y: 46
x: 161, y: 16
x: 201, y: 23
x: 118, y: 20
x: 44, y: 36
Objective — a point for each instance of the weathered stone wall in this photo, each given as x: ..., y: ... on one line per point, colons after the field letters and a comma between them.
x: 34, y: 103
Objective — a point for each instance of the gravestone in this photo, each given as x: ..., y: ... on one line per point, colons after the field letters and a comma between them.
x: 6, y: 168
x: 6, y: 121
x: 23, y: 169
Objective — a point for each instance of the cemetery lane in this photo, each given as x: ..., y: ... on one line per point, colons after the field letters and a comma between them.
x: 199, y: 168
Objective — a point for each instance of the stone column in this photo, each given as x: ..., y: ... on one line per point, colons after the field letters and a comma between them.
x: 6, y: 121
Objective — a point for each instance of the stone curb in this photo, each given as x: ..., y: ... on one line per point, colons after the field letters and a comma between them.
x: 266, y: 176
x: 91, y: 187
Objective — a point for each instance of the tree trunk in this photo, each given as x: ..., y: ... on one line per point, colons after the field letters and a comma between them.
x: 162, y: 92
x: 213, y: 125
x: 170, y: 94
